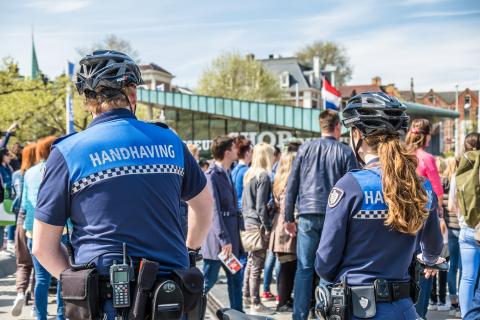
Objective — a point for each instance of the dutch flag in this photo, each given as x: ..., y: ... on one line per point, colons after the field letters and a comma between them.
x: 331, y: 96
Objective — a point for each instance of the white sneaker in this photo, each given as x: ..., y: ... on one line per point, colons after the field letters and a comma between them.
x: 432, y: 306
x: 260, y: 309
x: 33, y: 314
x: 443, y: 307
x: 18, y: 304
x: 11, y: 246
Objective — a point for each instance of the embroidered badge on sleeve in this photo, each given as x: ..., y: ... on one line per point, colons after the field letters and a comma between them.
x: 335, y: 196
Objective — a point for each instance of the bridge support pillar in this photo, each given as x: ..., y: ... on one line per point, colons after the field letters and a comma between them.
x: 150, y: 111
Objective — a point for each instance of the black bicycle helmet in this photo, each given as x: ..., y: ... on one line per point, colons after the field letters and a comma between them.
x: 376, y: 113
x: 107, y: 69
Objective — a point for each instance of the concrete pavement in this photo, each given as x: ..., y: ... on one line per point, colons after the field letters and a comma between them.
x: 219, y: 291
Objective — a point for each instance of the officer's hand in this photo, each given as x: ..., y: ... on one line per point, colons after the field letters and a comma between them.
x: 227, y: 250
x: 291, y: 228
x: 430, y: 272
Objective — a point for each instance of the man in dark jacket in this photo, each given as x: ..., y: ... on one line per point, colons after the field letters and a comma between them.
x: 224, y: 235
x: 318, y: 166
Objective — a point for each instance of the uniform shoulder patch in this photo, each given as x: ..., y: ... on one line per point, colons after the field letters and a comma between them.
x: 335, y: 196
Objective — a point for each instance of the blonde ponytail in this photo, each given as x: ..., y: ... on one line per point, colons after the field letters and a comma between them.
x: 403, y: 191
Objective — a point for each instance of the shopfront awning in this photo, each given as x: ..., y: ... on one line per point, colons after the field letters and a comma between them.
x: 282, y: 116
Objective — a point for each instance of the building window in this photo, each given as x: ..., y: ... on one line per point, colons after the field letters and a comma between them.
x: 431, y: 99
x: 284, y: 79
x: 467, y: 99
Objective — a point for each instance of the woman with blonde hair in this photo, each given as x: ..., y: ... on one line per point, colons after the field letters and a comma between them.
x: 376, y: 216
x: 282, y: 244
x: 256, y: 195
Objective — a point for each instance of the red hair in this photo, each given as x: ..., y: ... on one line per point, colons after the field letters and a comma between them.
x: 29, y: 157
x: 43, y: 147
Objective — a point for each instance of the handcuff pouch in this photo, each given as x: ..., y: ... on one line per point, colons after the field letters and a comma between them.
x: 191, y: 284
x: 80, y: 294
x: 363, y: 301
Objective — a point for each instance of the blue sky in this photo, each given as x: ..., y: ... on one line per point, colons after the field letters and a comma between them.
x: 435, y: 41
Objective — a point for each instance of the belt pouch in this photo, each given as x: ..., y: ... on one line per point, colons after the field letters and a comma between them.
x: 191, y: 283
x: 146, y: 279
x: 363, y: 302
x: 167, y: 301
x: 80, y: 294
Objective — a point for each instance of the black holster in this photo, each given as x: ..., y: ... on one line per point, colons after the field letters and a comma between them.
x: 80, y: 294
x: 414, y: 273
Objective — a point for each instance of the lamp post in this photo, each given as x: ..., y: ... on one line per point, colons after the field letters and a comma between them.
x: 457, y: 124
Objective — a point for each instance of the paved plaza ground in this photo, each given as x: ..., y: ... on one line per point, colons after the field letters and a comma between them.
x: 219, y: 291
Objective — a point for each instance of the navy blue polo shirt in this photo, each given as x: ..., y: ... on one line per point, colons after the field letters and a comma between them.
x: 355, y: 241
x: 121, y: 180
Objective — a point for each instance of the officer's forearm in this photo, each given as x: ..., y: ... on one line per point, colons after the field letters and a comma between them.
x: 199, y: 218
x: 46, y: 247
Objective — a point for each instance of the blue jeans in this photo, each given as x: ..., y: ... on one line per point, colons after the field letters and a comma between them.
x: 474, y: 312
x: 309, y: 231
x: 2, y: 234
x: 425, y: 289
x: 234, y: 282
x: 399, y: 310
x: 271, y: 265
x: 11, y: 232
x: 455, y: 262
x: 470, y: 255
x: 42, y: 283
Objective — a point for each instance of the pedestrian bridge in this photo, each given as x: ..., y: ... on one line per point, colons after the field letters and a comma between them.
x: 273, y: 114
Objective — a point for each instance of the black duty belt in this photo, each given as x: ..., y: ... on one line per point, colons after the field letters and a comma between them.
x: 389, y: 291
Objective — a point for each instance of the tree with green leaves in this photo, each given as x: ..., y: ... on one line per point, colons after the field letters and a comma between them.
x: 38, y: 107
x: 233, y: 76
x: 111, y: 42
x: 330, y: 53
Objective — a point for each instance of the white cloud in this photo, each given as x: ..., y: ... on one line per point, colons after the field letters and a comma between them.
x: 443, y: 14
x: 419, y: 2
x: 437, y: 57
x: 54, y: 6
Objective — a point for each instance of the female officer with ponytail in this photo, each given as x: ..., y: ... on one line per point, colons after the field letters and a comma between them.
x: 376, y: 216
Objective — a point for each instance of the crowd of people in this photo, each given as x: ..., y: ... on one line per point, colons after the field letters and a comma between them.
x: 270, y: 209
x: 283, y: 200
x: 21, y: 174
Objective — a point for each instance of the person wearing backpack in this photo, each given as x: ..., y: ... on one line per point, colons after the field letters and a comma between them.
x: 467, y: 184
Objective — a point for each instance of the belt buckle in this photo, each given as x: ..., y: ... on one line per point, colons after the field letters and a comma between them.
x: 382, y: 290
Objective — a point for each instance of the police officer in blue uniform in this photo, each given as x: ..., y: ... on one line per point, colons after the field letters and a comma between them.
x: 119, y: 181
x: 377, y: 216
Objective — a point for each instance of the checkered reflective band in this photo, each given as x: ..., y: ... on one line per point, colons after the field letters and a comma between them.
x: 123, y: 171
x: 371, y: 214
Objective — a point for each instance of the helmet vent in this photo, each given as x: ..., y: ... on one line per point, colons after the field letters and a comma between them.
x: 366, y: 112
x: 393, y: 113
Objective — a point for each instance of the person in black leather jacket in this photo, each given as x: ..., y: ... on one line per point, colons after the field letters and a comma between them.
x: 318, y: 166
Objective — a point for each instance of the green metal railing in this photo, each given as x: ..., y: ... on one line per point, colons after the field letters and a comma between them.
x: 274, y: 114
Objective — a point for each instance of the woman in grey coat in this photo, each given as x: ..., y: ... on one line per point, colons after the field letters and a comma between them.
x: 256, y: 196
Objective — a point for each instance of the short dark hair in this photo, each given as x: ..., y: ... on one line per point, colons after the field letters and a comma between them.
x: 328, y: 120
x: 220, y: 145
x: 203, y: 163
x: 293, y: 146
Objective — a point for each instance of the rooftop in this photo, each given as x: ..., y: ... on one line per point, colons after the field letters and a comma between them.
x: 154, y: 66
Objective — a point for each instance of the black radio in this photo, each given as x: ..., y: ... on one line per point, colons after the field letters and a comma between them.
x: 120, y: 281
x: 340, y: 300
